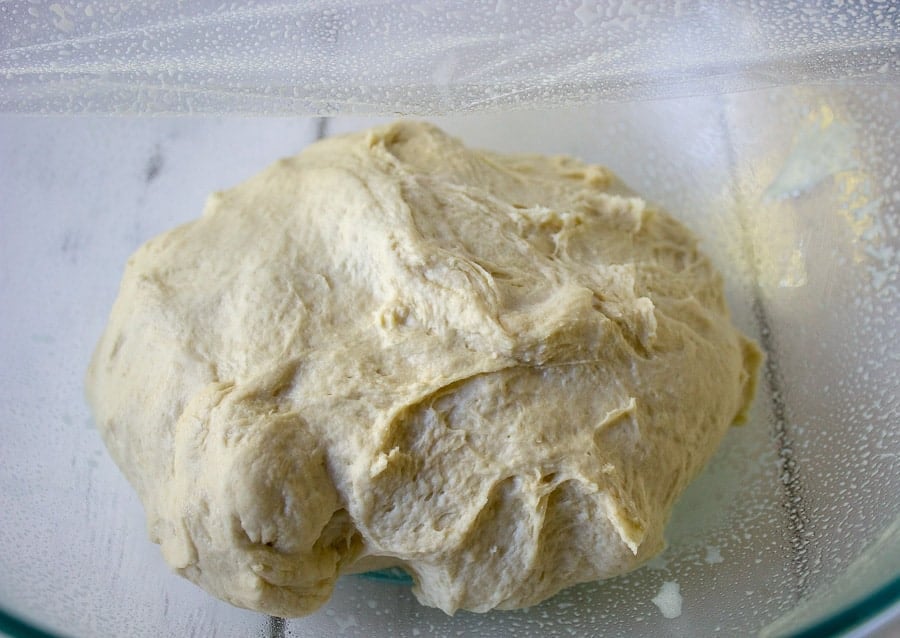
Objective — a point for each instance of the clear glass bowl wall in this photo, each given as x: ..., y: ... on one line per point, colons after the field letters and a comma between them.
x: 794, y: 192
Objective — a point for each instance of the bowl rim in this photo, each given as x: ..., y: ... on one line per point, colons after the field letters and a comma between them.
x: 875, y: 604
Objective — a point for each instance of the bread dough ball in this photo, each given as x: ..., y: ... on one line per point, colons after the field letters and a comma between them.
x: 497, y: 372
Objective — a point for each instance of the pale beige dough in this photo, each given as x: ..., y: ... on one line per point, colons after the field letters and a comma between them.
x: 498, y: 372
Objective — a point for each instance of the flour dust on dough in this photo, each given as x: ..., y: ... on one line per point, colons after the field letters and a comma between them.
x: 497, y: 372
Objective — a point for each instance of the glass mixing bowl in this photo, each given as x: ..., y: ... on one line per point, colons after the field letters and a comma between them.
x: 792, y: 529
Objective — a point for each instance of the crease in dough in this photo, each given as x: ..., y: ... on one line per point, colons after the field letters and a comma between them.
x: 497, y: 372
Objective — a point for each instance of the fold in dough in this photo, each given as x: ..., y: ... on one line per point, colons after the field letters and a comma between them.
x: 497, y: 372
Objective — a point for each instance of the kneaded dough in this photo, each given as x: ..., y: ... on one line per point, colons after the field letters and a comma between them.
x: 497, y: 372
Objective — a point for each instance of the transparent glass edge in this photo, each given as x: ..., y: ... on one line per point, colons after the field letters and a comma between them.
x: 855, y: 614
x: 15, y: 627
x: 843, y: 620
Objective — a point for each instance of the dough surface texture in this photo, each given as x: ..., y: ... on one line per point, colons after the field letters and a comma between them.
x: 495, y: 371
